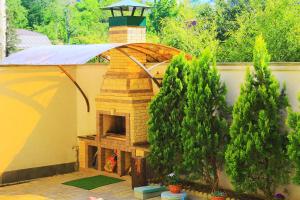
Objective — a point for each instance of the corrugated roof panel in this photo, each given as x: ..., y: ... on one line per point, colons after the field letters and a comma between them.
x: 81, y: 54
x: 58, y: 54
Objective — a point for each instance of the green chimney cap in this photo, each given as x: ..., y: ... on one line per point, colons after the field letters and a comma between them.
x: 125, y: 5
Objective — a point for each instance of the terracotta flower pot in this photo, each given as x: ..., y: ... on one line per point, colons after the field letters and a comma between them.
x: 218, y: 198
x: 175, y: 188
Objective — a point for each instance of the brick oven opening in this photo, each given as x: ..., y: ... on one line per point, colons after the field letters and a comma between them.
x: 114, y: 125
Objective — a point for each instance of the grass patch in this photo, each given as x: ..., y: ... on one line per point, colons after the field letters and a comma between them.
x: 93, y: 182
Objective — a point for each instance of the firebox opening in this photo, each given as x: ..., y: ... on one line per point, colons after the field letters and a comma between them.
x: 92, y: 157
x: 114, y: 125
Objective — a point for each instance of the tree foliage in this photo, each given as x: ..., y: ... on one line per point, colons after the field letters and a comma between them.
x: 54, y: 22
x: 294, y: 142
x: 17, y: 14
x: 166, y: 114
x: 78, y: 22
x: 256, y: 156
x: 178, y: 34
x: 162, y: 9
x: 205, y: 128
x: 277, y: 20
x: 37, y: 9
x: 227, y: 26
x: 85, y: 22
x: 16, y: 18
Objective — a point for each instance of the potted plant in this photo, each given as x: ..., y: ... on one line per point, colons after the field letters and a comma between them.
x: 174, y: 183
x: 218, y: 195
x: 279, y: 196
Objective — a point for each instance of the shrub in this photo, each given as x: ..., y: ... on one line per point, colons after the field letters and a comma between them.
x: 294, y: 142
x: 166, y: 114
x: 256, y: 156
x: 205, y: 127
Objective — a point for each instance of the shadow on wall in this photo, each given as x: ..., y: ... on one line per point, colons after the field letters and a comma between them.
x: 90, y: 78
x: 37, y: 118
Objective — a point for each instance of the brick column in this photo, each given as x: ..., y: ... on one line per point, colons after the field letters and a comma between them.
x: 121, y: 162
x: 101, y: 158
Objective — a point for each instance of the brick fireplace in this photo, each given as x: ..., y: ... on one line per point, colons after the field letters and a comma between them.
x: 125, y: 94
x: 124, y: 97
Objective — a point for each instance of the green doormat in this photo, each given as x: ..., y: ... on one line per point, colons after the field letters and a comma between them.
x: 93, y: 182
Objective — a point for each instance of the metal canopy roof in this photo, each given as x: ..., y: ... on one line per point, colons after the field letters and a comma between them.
x: 57, y: 54
x: 125, y: 4
x: 60, y: 55
x: 81, y: 54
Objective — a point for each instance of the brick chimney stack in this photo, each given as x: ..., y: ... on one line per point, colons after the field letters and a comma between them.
x: 127, y: 28
x: 126, y: 88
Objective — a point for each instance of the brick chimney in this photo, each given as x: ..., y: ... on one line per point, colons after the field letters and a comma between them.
x: 126, y: 34
x: 127, y: 28
x: 122, y: 105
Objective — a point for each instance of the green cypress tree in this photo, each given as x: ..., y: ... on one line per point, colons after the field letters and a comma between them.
x: 166, y: 114
x: 294, y: 142
x: 205, y: 127
x: 256, y: 156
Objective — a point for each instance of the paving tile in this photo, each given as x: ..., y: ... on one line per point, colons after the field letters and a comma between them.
x: 53, y: 189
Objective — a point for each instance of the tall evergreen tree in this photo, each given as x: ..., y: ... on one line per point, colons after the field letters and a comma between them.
x: 205, y: 126
x: 294, y: 142
x: 166, y: 114
x: 256, y: 156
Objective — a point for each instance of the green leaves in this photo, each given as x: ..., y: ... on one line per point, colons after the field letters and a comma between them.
x: 81, y: 22
x: 166, y: 114
x: 16, y: 18
x: 204, y: 128
x: 17, y: 14
x: 193, y: 40
x: 227, y: 27
x: 294, y: 143
x: 256, y: 156
x: 276, y: 20
x: 162, y: 9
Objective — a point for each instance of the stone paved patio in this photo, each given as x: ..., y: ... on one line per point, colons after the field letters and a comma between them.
x: 53, y: 188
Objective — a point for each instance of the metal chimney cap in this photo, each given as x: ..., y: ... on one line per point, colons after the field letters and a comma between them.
x: 125, y: 5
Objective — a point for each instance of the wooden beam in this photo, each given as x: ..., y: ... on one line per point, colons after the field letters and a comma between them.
x: 141, y: 51
x: 149, y: 51
x: 157, y: 65
x: 152, y: 54
x: 77, y: 86
x: 142, y: 66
